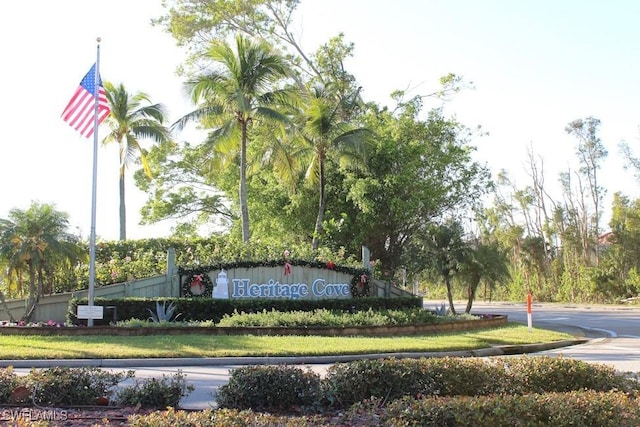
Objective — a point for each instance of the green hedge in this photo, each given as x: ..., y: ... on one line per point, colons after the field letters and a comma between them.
x: 503, y: 392
x: 579, y: 408
x: 202, y: 309
x: 346, y: 384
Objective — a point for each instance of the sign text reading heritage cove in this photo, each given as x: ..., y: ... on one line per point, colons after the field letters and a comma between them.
x: 242, y: 288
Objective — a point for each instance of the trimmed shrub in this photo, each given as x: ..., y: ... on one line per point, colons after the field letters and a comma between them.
x: 72, y: 386
x: 577, y: 408
x: 551, y: 374
x: 164, y: 392
x: 387, y: 379
x: 201, y: 309
x: 457, y: 376
x: 9, y: 380
x: 270, y: 388
x: 345, y: 384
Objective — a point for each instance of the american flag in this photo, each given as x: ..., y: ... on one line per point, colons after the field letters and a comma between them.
x: 80, y: 110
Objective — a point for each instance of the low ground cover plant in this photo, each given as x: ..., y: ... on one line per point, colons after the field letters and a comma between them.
x: 335, y: 318
x: 315, y: 318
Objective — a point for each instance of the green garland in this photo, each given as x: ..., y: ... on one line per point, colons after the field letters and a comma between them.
x: 360, y: 287
x: 205, y: 285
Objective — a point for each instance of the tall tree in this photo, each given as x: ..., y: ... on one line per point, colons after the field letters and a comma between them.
x: 32, y: 243
x: 324, y: 134
x: 197, y: 23
x: 133, y: 118
x: 182, y: 189
x: 418, y: 172
x: 631, y: 161
x: 233, y: 97
x: 591, y: 153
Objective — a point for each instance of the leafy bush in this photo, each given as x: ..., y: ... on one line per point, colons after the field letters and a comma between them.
x: 218, y: 418
x: 138, y: 323
x: 334, y: 318
x: 209, y: 309
x: 388, y: 379
x: 155, y: 393
x: 578, y: 408
x: 549, y: 374
x: 8, y: 382
x: 72, y: 386
x: 469, y: 376
x: 349, y: 383
x: 269, y: 388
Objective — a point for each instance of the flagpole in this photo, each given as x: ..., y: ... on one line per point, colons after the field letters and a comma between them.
x: 94, y: 186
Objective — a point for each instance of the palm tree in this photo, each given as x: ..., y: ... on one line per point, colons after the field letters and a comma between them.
x: 446, y: 250
x: 231, y: 99
x: 324, y: 134
x: 483, y: 261
x: 33, y: 243
x: 132, y: 119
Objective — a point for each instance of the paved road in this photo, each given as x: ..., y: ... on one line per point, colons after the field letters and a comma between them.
x: 614, y: 330
x: 614, y: 339
x: 589, y: 320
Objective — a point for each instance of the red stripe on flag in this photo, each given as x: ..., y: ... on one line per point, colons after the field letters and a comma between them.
x: 80, y: 111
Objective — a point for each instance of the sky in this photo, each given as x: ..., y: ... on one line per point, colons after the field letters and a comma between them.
x: 533, y: 66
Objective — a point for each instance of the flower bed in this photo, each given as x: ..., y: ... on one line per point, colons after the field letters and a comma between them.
x: 461, y: 325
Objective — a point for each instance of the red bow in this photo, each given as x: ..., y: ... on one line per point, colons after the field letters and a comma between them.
x: 363, y: 281
x: 287, y: 268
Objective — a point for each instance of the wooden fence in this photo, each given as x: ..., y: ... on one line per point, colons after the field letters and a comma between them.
x: 54, y: 307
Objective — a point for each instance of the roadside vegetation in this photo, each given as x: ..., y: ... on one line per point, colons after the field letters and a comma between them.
x: 449, y: 391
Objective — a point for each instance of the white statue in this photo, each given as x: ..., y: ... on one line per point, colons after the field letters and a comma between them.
x: 221, y: 289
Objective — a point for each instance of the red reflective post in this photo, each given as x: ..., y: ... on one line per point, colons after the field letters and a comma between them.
x: 529, y: 319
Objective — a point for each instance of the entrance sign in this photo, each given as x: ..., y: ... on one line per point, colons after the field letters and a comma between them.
x: 280, y: 282
x: 242, y: 288
x: 90, y: 312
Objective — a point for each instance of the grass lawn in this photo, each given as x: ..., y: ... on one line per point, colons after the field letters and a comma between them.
x: 24, y: 347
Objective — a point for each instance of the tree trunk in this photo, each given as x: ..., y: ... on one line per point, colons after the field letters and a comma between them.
x: 321, y: 203
x: 447, y: 281
x: 123, y: 209
x: 244, y: 208
x: 32, y: 301
x: 5, y: 307
x: 471, y: 293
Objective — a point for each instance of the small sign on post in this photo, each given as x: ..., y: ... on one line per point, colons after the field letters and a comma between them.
x: 90, y: 312
x: 529, y: 319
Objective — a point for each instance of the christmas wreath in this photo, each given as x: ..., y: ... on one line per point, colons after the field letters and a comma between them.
x: 360, y: 286
x: 197, y: 285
